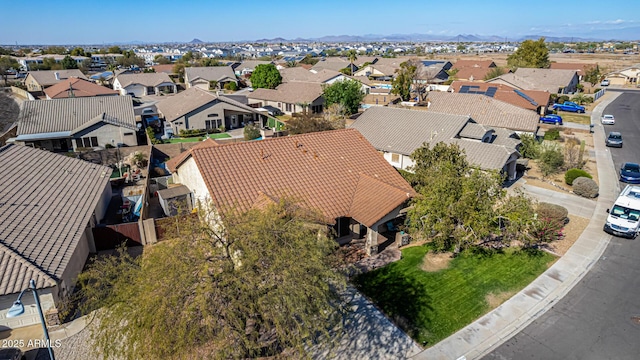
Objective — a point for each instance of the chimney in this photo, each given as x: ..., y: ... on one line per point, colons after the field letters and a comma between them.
x: 57, y: 75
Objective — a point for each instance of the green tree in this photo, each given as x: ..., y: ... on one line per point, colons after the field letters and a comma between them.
x: 347, y: 93
x: 130, y: 59
x: 305, y: 122
x: 265, y: 76
x: 494, y: 73
x: 457, y: 203
x: 114, y: 50
x: 59, y: 50
x: 69, y: 63
x: 309, y: 60
x: 580, y: 98
x: 160, y: 59
x: 251, y: 131
x: 592, y: 75
x: 234, y: 289
x: 210, y: 62
x: 401, y: 84
x: 79, y: 52
x: 85, y: 65
x: 530, y: 54
x: 7, y: 63
x: 352, y: 56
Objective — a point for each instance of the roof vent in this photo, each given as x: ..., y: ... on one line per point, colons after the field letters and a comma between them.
x: 57, y: 75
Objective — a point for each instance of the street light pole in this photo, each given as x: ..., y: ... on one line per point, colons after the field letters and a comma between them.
x: 18, y: 309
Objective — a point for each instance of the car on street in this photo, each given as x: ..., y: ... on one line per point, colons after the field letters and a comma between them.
x: 630, y: 173
x: 614, y: 139
x: 551, y: 119
x: 569, y: 106
x: 608, y: 120
x: 604, y: 82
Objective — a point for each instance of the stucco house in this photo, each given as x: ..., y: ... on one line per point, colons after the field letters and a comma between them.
x: 62, y: 125
x: 535, y: 100
x: 555, y: 81
x: 143, y: 84
x: 290, y: 97
x: 203, y: 77
x: 335, y: 172
x: 626, y: 76
x: 42, y: 79
x: 49, y: 204
x: 195, y: 108
x: 77, y: 87
x: 397, y: 133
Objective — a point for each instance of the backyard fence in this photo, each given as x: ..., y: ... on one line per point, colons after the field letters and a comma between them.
x: 599, y: 94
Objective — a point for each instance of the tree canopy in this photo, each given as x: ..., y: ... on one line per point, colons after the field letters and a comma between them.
x: 347, y: 93
x: 69, y: 63
x: 236, y: 289
x: 266, y: 76
x: 592, y: 75
x: 401, y: 84
x: 7, y: 63
x: 530, y: 54
x: 130, y: 59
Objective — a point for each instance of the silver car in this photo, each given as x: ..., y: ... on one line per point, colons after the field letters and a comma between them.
x: 614, y: 139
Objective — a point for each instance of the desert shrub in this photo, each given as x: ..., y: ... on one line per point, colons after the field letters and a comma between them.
x: 530, y: 146
x: 573, y: 174
x: 545, y: 231
x: 251, y: 131
x: 585, y: 187
x: 552, y: 134
x: 192, y: 132
x: 231, y: 86
x: 551, y: 159
x: 561, y: 99
x: 550, y: 211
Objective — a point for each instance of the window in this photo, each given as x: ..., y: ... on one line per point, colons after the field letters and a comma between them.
x: 87, y: 142
x: 128, y: 133
x: 395, y: 158
x: 212, y: 115
x: 288, y: 107
x: 212, y: 124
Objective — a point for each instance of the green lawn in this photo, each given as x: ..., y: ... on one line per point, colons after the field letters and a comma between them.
x: 575, y: 118
x: 430, y: 306
x: 197, y: 138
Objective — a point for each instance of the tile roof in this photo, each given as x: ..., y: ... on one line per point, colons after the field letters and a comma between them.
x: 173, y: 163
x: 251, y: 64
x: 58, y: 115
x: 80, y: 87
x: 46, y: 202
x: 176, y: 106
x: 581, y: 68
x: 48, y: 77
x: 302, y: 75
x: 146, y: 79
x: 216, y: 73
x: 326, y: 170
x: 471, y: 63
x: 472, y: 73
x: 293, y: 92
x: 484, y: 110
x: 402, y: 131
x: 173, y: 192
x: 164, y: 68
x: 474, y: 131
x: 508, y: 94
x: 538, y: 79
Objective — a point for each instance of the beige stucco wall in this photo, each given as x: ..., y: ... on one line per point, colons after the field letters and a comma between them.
x: 189, y: 175
x: 197, y: 119
x: 107, y: 132
x: 403, y: 163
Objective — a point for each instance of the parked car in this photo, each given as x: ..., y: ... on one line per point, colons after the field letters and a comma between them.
x: 604, y: 82
x: 11, y: 354
x: 607, y: 120
x: 630, y: 173
x: 614, y: 139
x: 551, y: 119
x: 569, y: 106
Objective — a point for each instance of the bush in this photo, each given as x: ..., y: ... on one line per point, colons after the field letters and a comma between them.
x: 573, y: 174
x: 552, y: 134
x: 585, y: 187
x: 109, y: 146
x: 551, y: 159
x: 192, y: 132
x: 231, y: 86
x: 530, y: 147
x: 251, y: 132
x: 548, y: 211
x: 561, y: 99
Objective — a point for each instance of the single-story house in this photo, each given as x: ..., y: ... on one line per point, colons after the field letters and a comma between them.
x: 49, y: 204
x: 299, y: 74
x: 535, y: 100
x: 62, y: 125
x: 337, y: 173
x: 143, y: 84
x: 195, y: 108
x: 485, y: 110
x: 629, y: 75
x: 290, y: 97
x: 554, y: 81
x: 77, y: 87
x: 473, y: 70
x: 580, y: 68
x: 397, y: 133
x: 203, y: 76
x: 246, y: 67
x: 42, y: 79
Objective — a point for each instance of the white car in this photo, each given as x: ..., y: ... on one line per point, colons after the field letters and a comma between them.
x: 604, y: 82
x: 608, y: 120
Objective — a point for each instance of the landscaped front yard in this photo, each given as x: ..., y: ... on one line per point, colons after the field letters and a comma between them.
x: 575, y: 118
x: 431, y: 305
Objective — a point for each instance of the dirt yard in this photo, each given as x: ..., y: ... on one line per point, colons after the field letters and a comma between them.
x: 572, y: 232
x: 433, y: 262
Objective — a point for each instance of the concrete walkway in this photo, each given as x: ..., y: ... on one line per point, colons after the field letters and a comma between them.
x: 493, y: 329
x: 576, y: 205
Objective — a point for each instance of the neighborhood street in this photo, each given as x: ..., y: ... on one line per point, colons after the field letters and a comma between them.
x: 600, y: 317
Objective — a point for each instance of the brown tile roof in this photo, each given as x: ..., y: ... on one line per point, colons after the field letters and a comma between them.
x: 164, y: 68
x: 176, y: 106
x: 507, y: 94
x: 146, y: 79
x: 538, y: 79
x: 337, y: 172
x: 293, y: 92
x: 48, y: 77
x: 173, y: 163
x: 472, y: 73
x: 302, y: 75
x: 484, y: 110
x: 46, y: 201
x: 483, y: 64
x: 581, y: 68
x: 80, y: 87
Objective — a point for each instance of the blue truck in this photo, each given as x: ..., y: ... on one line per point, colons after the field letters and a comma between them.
x: 569, y: 106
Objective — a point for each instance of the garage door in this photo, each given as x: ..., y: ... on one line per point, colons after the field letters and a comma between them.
x: 30, y: 316
x: 617, y: 80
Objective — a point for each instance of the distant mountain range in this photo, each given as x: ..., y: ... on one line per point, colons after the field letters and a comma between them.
x: 430, y: 37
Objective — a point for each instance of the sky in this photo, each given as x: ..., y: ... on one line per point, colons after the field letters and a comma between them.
x: 69, y: 22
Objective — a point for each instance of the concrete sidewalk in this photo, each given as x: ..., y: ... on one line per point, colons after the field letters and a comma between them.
x: 493, y: 329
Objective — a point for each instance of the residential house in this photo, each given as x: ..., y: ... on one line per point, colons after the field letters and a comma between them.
x: 299, y: 74
x: 164, y: 68
x: 552, y: 80
x: 473, y: 70
x: 62, y: 125
x: 77, y: 87
x: 626, y: 76
x: 290, y: 97
x: 246, y: 67
x: 143, y: 84
x: 334, y: 63
x: 580, y: 68
x: 535, y: 100
x: 377, y: 71
x: 203, y: 77
x: 40, y: 80
x: 195, y: 108
x: 27, y: 62
x: 433, y: 71
x: 48, y: 205
x: 103, y: 60
x: 397, y: 133
x: 485, y: 110
x: 337, y: 173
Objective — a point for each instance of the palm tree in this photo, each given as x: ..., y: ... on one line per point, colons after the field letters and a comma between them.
x: 580, y: 99
x: 351, y: 54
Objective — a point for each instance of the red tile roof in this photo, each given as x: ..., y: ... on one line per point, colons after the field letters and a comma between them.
x: 337, y: 172
x: 173, y: 163
x: 507, y: 94
x: 80, y: 87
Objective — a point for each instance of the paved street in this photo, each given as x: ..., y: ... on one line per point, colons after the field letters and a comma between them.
x: 600, y: 317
